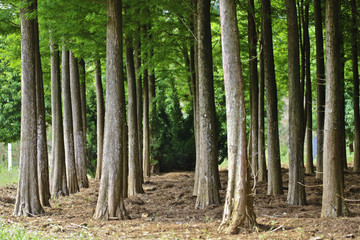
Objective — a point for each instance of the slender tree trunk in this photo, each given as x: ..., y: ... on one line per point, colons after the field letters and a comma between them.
x: 262, y: 177
x: 146, y: 137
x: 208, y: 185
x: 100, y: 111
x: 79, y: 143
x: 333, y: 204
x: 342, y: 94
x: 135, y: 179
x: 72, y: 182
x: 254, y: 88
x: 274, y: 174
x: 58, y: 170
x: 110, y: 203
x: 239, y: 209
x: 320, y: 75
x: 296, y: 193
x: 355, y: 67
x: 82, y: 75
x: 42, y: 154
x: 27, y: 198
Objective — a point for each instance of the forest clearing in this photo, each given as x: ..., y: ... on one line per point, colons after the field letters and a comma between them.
x: 166, y: 211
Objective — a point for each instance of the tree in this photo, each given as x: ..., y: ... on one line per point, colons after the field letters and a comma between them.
x: 208, y: 185
x: 27, y: 198
x: 79, y: 142
x: 238, y: 210
x: 71, y: 174
x: 146, y: 137
x: 82, y: 75
x: 274, y: 167
x: 333, y: 204
x: 58, y: 169
x: 320, y: 76
x: 354, y: 51
x: 296, y: 194
x: 110, y: 203
x: 100, y: 111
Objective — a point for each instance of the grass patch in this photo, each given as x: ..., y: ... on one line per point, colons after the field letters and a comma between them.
x: 8, y: 177
x: 16, y: 231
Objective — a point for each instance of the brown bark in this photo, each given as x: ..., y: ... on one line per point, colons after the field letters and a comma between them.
x: 27, y: 198
x: 208, y: 185
x: 58, y: 170
x: 100, y: 111
x: 333, y: 204
x: 355, y: 67
x: 72, y: 182
x: 146, y: 137
x: 79, y: 142
x: 296, y: 193
x: 110, y: 203
x: 320, y: 75
x: 135, y: 179
x: 42, y: 154
x: 82, y: 75
x: 238, y: 211
x: 274, y: 167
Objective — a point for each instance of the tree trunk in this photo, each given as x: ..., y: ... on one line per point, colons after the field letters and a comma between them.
x: 342, y: 94
x: 254, y: 88
x: 296, y: 193
x: 239, y: 210
x: 135, y: 179
x: 100, y: 111
x: 320, y: 75
x: 146, y: 137
x: 27, y: 198
x: 58, y: 169
x: 72, y: 182
x: 82, y: 74
x: 333, y: 204
x: 355, y: 67
x: 110, y: 203
x: 262, y: 177
x: 274, y: 174
x: 208, y: 185
x: 42, y: 151
x: 10, y: 162
x: 79, y: 143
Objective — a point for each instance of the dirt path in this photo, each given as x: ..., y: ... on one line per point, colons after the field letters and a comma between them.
x: 166, y: 211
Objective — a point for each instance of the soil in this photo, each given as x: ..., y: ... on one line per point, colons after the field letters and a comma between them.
x: 166, y: 211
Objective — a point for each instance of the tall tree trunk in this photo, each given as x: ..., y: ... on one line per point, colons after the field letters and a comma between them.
x: 100, y: 111
x: 79, y: 143
x: 135, y: 179
x: 333, y: 204
x: 58, y: 169
x: 42, y: 154
x: 296, y: 193
x: 27, y: 198
x: 239, y: 209
x: 274, y: 172
x: 342, y: 94
x: 254, y: 88
x: 355, y: 67
x: 208, y: 185
x: 82, y: 75
x: 262, y: 177
x: 320, y: 76
x: 146, y: 137
x: 110, y: 203
x: 72, y: 181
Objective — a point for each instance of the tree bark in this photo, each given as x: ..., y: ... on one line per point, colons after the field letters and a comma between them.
x: 333, y: 204
x: 135, y: 179
x: 208, y: 185
x: 100, y: 111
x: 320, y: 75
x: 82, y: 74
x: 296, y: 193
x: 254, y: 88
x: 58, y: 170
x: 27, y: 198
x: 355, y: 67
x: 72, y: 181
x: 274, y: 170
x: 79, y: 142
x: 238, y: 211
x: 42, y: 154
x: 146, y: 137
x: 110, y: 203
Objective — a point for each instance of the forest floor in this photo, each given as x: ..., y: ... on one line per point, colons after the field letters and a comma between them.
x: 166, y: 211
